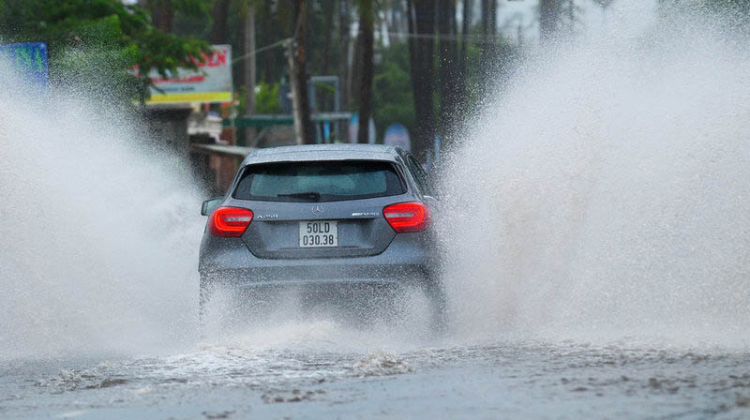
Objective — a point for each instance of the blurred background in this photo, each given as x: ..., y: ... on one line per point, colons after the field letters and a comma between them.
x: 216, y: 78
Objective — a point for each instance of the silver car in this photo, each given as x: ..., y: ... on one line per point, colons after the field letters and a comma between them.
x: 326, y: 217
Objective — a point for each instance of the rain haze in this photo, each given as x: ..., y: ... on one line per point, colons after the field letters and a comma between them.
x: 571, y: 181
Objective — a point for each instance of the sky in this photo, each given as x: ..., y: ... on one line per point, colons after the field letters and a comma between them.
x: 524, y: 12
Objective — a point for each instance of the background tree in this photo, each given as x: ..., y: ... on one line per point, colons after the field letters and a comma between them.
x: 307, y: 132
x: 463, y: 55
x: 438, y: 56
x: 219, y: 15
x: 447, y: 65
x: 365, y: 85
x: 248, y: 62
x: 344, y: 41
x: 99, y: 41
x: 393, y: 101
x: 328, y: 9
x: 163, y: 12
x: 549, y: 15
x: 489, y: 33
x: 421, y: 18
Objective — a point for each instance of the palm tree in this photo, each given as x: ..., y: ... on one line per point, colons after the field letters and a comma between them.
x: 365, y: 86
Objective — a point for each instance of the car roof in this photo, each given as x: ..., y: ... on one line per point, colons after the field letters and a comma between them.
x: 321, y: 152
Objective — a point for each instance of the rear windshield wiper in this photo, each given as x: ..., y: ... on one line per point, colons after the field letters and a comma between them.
x: 314, y: 196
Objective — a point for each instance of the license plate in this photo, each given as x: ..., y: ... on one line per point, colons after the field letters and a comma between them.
x: 320, y: 233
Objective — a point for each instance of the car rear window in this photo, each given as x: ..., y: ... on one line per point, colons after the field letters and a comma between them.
x: 319, y: 181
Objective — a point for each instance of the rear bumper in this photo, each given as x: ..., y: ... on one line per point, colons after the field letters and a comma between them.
x: 407, y: 261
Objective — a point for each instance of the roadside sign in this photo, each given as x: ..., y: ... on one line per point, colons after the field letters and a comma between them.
x: 30, y: 60
x: 211, y: 83
x: 397, y: 135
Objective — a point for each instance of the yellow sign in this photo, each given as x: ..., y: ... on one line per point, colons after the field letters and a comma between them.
x: 211, y: 82
x: 177, y: 98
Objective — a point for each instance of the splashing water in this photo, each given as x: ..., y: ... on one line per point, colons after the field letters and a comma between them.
x: 603, y: 197
x: 98, y: 230
x: 99, y: 238
x: 605, y: 194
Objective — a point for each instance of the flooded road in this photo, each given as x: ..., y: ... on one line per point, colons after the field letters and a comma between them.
x: 596, y: 262
x: 301, y: 379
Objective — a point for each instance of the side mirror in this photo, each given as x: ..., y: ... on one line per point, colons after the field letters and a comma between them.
x: 209, y: 206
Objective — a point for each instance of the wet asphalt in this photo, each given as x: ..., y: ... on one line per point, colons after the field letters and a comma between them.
x: 326, y: 373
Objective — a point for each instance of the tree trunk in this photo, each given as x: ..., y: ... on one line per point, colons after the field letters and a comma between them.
x: 422, y: 58
x: 164, y: 17
x: 365, y: 85
x: 329, y: 9
x: 485, y: 5
x: 329, y: 12
x: 446, y: 66
x: 355, y: 70
x: 249, y: 67
x: 266, y: 18
x: 307, y: 132
x: 489, y: 35
x: 464, y: 54
x: 344, y: 45
x: 549, y: 11
x: 219, y: 27
x: 412, y: 40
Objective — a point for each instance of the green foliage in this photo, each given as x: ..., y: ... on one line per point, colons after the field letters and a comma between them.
x: 69, y: 22
x: 99, y: 40
x: 393, y: 101
x: 188, y: 7
x: 267, y: 99
x: 165, y: 52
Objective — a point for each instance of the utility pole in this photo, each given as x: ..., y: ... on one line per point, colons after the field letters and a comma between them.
x: 303, y: 126
x: 296, y: 99
x: 249, y: 75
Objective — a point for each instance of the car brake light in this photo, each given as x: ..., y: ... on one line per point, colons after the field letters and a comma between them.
x: 230, y: 222
x: 407, y: 217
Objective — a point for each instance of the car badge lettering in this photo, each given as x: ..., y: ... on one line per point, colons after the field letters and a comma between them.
x: 316, y: 210
x: 267, y: 216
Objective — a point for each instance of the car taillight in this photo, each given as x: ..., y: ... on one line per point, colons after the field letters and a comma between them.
x: 230, y: 222
x: 407, y: 217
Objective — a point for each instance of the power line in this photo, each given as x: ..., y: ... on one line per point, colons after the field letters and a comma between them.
x: 260, y: 50
x: 455, y: 38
